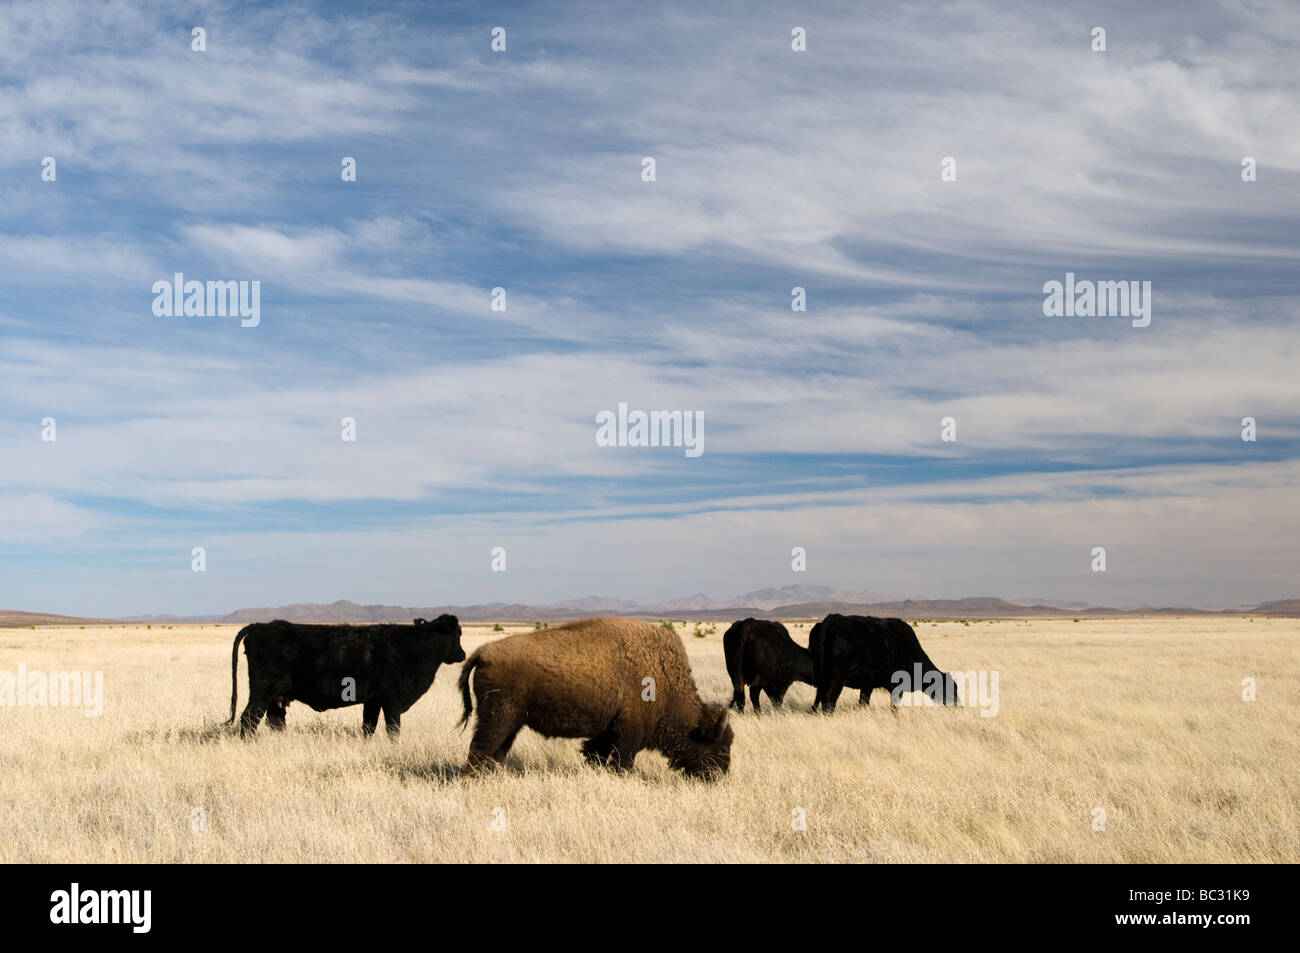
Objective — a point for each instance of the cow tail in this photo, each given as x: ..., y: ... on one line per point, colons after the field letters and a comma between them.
x: 470, y: 664
x: 234, y: 673
x: 733, y: 650
x: 816, y: 636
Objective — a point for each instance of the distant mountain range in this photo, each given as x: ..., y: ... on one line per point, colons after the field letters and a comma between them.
x: 768, y: 599
x: 12, y: 618
x: 786, y: 602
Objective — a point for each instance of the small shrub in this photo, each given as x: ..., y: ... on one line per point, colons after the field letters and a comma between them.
x: 498, y: 627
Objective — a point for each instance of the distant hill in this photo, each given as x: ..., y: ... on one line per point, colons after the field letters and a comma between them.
x: 595, y: 605
x: 973, y: 607
x: 694, y: 603
x: 1283, y: 607
x: 345, y: 611
x: 792, y: 595
x: 13, y: 618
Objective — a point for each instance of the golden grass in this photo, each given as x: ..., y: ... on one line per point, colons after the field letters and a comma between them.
x: 1141, y: 717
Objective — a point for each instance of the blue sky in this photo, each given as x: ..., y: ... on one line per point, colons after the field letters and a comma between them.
x: 521, y: 169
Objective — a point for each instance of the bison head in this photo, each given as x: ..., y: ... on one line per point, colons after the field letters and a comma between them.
x: 447, y: 626
x: 707, y: 752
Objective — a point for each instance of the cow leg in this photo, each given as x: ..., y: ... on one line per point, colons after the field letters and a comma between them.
x: 275, y: 713
x: 369, y: 718
x: 737, y: 696
x: 252, y: 714
x: 832, y: 695
x: 754, y: 695
x: 864, y: 696
x: 392, y: 722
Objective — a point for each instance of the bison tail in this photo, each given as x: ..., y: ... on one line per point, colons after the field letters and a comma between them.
x: 470, y: 664
x: 234, y: 673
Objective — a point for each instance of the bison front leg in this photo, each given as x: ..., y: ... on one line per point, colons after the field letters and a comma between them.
x: 626, y: 741
x: 369, y: 717
x: 755, y: 693
x: 864, y: 696
x: 624, y: 754
x: 598, y: 749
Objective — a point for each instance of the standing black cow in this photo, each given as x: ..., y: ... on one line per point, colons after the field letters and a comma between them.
x: 863, y: 652
x: 762, y: 655
x: 384, y: 667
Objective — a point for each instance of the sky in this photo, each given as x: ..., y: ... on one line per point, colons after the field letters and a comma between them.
x: 523, y: 169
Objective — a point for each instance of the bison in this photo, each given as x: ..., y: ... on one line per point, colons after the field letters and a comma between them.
x: 865, y: 653
x: 381, y: 667
x: 762, y: 655
x: 621, y: 684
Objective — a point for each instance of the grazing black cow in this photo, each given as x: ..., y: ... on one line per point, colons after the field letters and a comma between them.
x: 384, y: 667
x: 762, y: 655
x: 863, y: 652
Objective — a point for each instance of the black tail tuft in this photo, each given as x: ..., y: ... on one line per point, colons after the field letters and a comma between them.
x: 234, y: 673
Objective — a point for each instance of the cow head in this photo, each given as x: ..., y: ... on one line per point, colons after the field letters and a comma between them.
x: 945, y: 693
x: 447, y: 626
x: 707, y: 752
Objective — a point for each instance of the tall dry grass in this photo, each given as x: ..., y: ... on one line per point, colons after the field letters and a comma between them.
x: 1143, y: 718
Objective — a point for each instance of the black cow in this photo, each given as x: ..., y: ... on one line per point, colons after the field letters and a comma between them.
x: 863, y: 652
x: 762, y: 655
x: 384, y: 667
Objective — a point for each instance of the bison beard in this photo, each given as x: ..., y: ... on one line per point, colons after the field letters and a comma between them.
x: 389, y: 667
x: 588, y: 679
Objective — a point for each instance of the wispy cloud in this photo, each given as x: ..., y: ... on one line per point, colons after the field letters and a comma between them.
x: 521, y: 170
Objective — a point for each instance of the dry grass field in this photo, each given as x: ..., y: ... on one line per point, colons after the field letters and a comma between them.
x: 1143, y: 718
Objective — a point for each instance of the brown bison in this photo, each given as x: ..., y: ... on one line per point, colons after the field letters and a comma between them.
x: 621, y: 684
